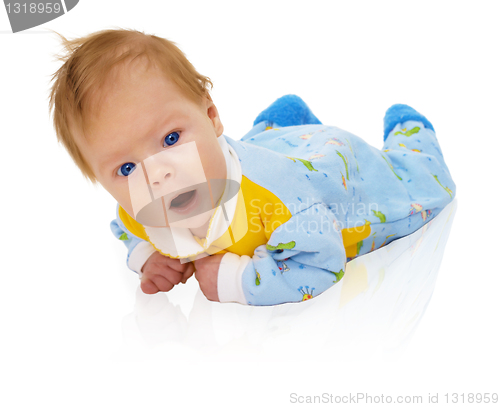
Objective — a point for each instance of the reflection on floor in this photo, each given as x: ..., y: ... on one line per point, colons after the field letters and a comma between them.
x: 374, y: 309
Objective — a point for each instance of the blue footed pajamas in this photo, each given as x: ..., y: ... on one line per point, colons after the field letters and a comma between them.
x: 324, y: 196
x: 327, y: 176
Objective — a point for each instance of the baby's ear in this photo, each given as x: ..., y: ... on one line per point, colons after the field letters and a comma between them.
x: 213, y: 114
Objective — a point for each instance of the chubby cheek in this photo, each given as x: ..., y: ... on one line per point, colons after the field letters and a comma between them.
x: 220, y: 166
x: 122, y: 196
x: 215, y: 173
x: 219, y: 173
x: 214, y: 162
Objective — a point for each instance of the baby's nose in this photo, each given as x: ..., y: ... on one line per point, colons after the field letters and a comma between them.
x: 159, y: 179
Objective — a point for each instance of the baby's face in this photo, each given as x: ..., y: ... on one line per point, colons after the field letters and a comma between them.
x: 150, y: 141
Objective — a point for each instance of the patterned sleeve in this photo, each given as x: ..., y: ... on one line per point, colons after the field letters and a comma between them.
x: 303, y: 257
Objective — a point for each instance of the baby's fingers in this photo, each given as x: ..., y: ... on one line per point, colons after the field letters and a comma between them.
x: 162, y: 283
x: 188, y: 272
x: 148, y: 287
x: 173, y: 276
x: 174, y: 264
x: 154, y: 284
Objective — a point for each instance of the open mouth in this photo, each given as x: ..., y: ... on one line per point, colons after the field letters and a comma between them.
x: 183, y: 199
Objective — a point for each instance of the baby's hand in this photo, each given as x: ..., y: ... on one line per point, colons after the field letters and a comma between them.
x: 161, y: 273
x: 207, y: 271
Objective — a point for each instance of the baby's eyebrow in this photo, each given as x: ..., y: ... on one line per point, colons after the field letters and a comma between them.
x: 115, y: 159
x: 107, y: 164
x: 111, y: 159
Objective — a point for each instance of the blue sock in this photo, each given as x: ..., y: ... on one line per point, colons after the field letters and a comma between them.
x: 288, y: 110
x: 400, y: 113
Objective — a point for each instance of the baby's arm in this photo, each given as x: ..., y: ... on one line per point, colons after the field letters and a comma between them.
x: 157, y: 272
x: 302, y: 258
x: 139, y: 250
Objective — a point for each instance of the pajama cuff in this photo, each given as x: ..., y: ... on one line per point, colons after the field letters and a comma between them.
x: 229, y: 281
x: 139, y: 255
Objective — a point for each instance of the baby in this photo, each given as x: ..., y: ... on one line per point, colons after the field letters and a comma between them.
x: 269, y: 219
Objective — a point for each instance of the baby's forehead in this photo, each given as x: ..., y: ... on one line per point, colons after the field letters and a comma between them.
x: 103, y: 96
x: 109, y: 109
x: 129, y: 77
x: 109, y: 84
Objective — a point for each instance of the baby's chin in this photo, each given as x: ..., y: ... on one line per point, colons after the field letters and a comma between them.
x: 191, y: 222
x: 196, y: 221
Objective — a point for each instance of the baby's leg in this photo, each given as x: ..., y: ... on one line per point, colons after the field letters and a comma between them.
x: 407, y: 130
x: 288, y: 110
x: 411, y: 147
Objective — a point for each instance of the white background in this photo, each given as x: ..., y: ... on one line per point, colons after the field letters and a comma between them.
x: 75, y: 331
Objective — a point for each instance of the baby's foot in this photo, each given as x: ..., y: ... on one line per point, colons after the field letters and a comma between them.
x: 400, y: 113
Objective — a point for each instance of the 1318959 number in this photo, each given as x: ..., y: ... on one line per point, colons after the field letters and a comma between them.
x: 471, y: 398
x: 32, y: 8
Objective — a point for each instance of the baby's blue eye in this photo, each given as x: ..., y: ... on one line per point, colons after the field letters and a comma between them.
x: 126, y: 169
x: 171, y: 139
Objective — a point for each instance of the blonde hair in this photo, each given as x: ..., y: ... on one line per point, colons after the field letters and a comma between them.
x: 87, y: 62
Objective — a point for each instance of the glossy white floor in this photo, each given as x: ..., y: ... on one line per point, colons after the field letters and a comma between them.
x: 417, y: 317
x: 373, y: 311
